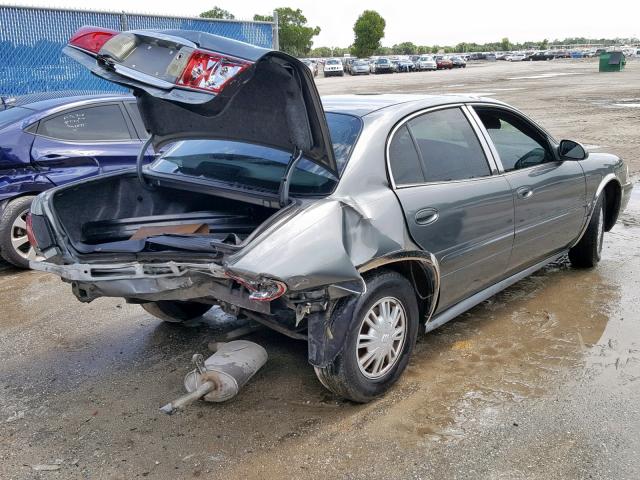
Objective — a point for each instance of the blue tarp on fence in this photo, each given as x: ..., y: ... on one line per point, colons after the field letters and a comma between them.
x: 31, y: 42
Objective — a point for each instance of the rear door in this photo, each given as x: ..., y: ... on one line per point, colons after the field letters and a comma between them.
x: 454, y: 205
x: 85, y: 141
x: 549, y: 195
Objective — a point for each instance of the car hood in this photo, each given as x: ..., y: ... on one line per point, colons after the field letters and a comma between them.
x: 271, y: 101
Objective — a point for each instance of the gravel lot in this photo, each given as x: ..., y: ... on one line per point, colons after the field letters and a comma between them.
x: 540, y: 382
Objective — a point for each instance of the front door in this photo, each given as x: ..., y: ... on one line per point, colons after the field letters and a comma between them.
x: 549, y: 195
x: 454, y: 207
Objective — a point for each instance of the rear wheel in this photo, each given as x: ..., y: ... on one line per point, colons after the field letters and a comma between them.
x: 380, y: 339
x: 14, y: 244
x: 587, y: 252
x: 176, y: 311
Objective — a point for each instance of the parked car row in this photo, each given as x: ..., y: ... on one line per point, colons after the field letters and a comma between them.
x: 377, y: 65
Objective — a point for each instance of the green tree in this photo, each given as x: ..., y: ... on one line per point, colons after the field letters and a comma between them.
x: 505, y: 44
x: 544, y: 44
x: 435, y: 49
x: 217, y: 12
x: 294, y: 33
x: 368, y: 30
x: 384, y: 51
x: 404, y: 48
x: 320, y: 52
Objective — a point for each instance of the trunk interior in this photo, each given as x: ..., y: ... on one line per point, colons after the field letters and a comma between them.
x: 102, y: 216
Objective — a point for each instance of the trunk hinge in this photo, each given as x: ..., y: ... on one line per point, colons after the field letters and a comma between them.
x: 296, y: 156
x: 140, y: 164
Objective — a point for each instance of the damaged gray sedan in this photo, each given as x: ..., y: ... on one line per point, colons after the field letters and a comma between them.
x: 350, y: 224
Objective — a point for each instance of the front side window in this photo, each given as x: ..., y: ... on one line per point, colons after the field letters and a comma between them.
x: 260, y: 167
x: 91, y: 124
x: 448, y: 146
x: 519, y: 144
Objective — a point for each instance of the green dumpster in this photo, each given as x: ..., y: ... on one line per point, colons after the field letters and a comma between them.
x: 612, y: 61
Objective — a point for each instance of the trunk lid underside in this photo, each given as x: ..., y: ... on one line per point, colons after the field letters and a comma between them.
x: 273, y: 102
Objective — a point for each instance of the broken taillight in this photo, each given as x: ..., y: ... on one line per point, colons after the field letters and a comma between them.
x: 91, y: 39
x: 210, y: 71
x: 30, y: 236
x: 263, y: 290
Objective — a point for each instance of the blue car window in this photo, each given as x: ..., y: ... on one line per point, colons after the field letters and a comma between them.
x: 100, y: 123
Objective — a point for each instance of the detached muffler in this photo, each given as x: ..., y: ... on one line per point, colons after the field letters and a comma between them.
x: 221, y: 376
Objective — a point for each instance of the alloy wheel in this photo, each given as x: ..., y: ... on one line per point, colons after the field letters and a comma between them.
x: 19, y: 240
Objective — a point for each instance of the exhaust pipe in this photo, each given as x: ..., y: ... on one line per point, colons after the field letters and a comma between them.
x: 221, y: 376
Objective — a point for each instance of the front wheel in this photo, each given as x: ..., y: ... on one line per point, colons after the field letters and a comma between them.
x: 380, y: 339
x: 176, y: 311
x: 586, y: 253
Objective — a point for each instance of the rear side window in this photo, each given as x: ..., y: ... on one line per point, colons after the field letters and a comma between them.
x: 404, y: 160
x: 448, y: 146
x: 101, y: 123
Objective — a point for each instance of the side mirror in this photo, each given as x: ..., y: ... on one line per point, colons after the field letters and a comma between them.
x: 570, y: 150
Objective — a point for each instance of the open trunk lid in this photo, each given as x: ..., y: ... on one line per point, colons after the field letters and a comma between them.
x: 197, y: 85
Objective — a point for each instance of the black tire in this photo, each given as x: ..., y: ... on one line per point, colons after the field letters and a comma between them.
x: 586, y: 253
x: 344, y: 376
x: 11, y: 213
x: 176, y: 311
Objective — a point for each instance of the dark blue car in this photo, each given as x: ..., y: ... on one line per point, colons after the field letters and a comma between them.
x: 53, y: 142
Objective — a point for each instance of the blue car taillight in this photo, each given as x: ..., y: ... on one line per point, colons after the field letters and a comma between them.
x: 39, y: 232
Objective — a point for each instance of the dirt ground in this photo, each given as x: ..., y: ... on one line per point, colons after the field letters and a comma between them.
x: 540, y: 382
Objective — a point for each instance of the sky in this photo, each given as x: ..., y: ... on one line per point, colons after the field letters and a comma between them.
x: 423, y: 22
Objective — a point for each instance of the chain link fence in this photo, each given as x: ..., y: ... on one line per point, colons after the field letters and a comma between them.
x: 31, y: 42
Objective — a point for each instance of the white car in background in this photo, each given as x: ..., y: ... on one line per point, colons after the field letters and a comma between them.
x: 333, y: 66
x: 515, y: 57
x: 426, y: 62
x: 313, y: 66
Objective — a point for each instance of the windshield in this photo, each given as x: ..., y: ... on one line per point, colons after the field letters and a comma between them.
x: 383, y: 60
x: 12, y: 115
x: 332, y: 62
x: 260, y: 167
x: 360, y: 63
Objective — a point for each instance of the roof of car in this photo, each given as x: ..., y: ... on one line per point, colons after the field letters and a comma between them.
x: 50, y: 103
x: 361, y: 105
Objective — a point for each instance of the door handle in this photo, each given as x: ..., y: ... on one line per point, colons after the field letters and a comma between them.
x: 51, y: 156
x: 524, y: 192
x: 426, y: 216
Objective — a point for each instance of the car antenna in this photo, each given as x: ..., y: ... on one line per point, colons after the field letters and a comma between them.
x: 286, y: 178
x: 140, y: 161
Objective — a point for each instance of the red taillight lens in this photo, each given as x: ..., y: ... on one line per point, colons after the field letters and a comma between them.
x: 30, y: 236
x: 91, y: 38
x: 209, y: 71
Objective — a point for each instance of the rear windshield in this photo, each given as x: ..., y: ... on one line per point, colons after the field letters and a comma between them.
x: 259, y: 167
x: 13, y: 115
